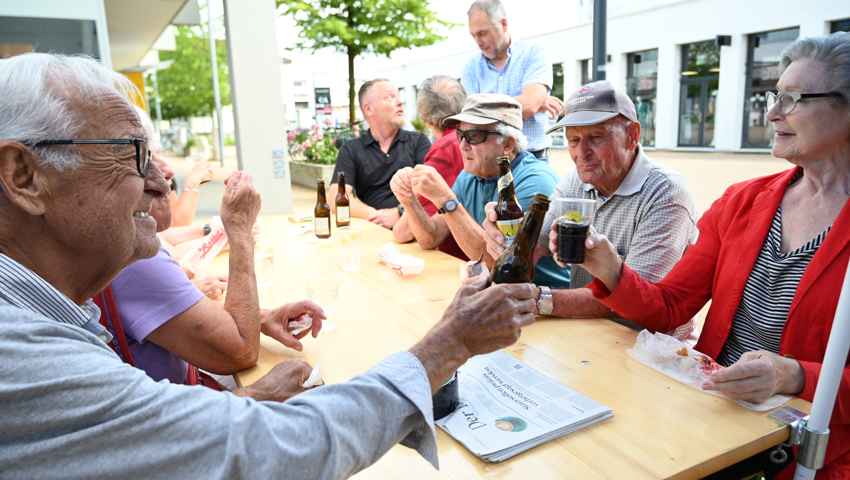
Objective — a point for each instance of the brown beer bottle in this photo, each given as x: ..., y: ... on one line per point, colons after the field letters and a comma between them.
x: 508, y: 210
x: 343, y: 216
x: 516, y: 264
x: 322, y: 214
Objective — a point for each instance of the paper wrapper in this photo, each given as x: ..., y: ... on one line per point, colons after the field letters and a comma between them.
x: 659, y: 352
x: 198, y: 259
x: 401, y: 263
x: 315, y: 377
x: 298, y: 325
x: 480, y: 267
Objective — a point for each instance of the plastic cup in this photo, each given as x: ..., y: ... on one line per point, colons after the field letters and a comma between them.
x: 573, y: 218
x: 349, y: 247
x: 264, y: 262
x: 323, y: 289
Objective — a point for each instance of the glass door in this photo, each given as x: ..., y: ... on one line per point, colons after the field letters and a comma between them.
x: 700, y: 83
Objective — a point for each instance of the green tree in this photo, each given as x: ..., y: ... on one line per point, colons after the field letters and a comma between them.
x: 359, y: 27
x: 186, y: 88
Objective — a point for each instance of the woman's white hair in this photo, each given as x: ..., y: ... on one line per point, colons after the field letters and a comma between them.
x: 831, y: 50
x: 36, y: 90
x: 509, y: 131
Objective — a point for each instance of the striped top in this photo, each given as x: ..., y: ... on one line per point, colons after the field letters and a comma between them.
x: 767, y: 298
x: 23, y: 288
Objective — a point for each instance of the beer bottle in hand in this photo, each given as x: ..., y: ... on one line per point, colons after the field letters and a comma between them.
x: 343, y: 217
x: 322, y: 214
x: 516, y: 264
x: 508, y: 210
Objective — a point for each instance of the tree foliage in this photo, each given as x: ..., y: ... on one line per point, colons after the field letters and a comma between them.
x: 186, y: 87
x: 359, y: 27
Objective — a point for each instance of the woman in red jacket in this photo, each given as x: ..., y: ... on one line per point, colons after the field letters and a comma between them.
x: 771, y: 254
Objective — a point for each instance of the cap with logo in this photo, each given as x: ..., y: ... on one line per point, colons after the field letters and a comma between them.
x: 486, y: 108
x: 594, y: 103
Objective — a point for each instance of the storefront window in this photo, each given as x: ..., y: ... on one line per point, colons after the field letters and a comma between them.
x: 586, y: 77
x: 641, y: 87
x: 558, y: 81
x: 20, y: 35
x: 841, y: 26
x: 762, y: 76
x: 698, y: 100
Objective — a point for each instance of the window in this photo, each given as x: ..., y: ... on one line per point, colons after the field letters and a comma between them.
x: 586, y: 77
x: 20, y: 35
x: 840, y: 26
x: 700, y: 80
x: 641, y: 87
x: 558, y: 81
x: 763, y: 54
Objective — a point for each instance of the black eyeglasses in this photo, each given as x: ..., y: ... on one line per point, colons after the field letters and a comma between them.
x: 143, y: 153
x: 788, y: 100
x: 474, y: 137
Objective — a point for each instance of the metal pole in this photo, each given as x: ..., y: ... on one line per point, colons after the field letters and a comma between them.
x: 215, y: 83
x: 156, y: 98
x: 830, y: 374
x: 599, y: 27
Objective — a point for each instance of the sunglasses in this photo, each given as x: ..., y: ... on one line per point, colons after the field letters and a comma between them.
x: 143, y: 153
x: 474, y: 137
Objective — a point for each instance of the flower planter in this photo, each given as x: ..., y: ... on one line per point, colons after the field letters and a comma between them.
x: 308, y: 173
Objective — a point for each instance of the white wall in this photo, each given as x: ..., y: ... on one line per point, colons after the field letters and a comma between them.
x: 655, y: 24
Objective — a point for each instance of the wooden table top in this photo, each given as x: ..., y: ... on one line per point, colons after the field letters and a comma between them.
x: 660, y: 429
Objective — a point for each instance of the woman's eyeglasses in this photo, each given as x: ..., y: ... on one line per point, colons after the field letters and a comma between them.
x: 143, y: 153
x: 474, y: 137
x: 788, y: 100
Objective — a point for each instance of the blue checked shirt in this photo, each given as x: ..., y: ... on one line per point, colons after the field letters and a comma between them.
x: 527, y: 64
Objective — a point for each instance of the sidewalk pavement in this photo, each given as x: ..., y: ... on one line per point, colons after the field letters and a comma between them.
x: 708, y: 173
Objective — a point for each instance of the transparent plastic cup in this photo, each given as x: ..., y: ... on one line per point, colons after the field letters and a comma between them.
x: 573, y: 219
x: 349, y: 246
x: 264, y: 262
x: 323, y: 289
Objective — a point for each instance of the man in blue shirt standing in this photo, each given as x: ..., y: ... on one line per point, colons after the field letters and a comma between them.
x: 522, y: 70
x: 488, y: 127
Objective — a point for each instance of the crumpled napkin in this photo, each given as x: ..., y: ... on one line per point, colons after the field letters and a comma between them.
x: 402, y: 264
x: 659, y: 352
x: 299, y: 324
x: 315, y: 377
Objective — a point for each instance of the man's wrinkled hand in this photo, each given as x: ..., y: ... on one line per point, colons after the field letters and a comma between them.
x: 495, y: 239
x: 401, y: 186
x: 554, y: 106
x: 240, y: 204
x: 385, y: 217
x: 213, y: 286
x: 283, y: 382
x: 428, y: 182
x: 275, y: 322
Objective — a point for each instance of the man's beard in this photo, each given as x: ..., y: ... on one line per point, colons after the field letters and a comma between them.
x: 397, y: 122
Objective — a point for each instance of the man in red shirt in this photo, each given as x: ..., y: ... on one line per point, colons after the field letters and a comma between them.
x: 439, y: 97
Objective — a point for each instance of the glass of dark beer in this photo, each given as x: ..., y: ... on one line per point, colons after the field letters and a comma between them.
x: 573, y: 219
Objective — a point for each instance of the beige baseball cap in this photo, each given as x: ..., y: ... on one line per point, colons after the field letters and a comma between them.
x: 594, y: 103
x: 486, y: 108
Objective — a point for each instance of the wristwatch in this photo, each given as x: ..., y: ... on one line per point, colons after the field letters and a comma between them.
x: 207, y: 229
x: 400, y: 210
x: 450, y: 206
x: 546, y: 304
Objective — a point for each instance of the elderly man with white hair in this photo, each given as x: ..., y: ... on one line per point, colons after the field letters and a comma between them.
x: 489, y: 126
x: 77, y: 188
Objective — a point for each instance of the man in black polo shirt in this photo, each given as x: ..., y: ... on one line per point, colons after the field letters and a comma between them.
x: 370, y: 161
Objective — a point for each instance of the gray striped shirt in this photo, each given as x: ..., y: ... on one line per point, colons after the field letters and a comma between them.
x: 650, y: 219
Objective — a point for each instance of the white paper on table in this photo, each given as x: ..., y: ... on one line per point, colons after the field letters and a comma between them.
x: 659, y: 352
x: 402, y: 264
x: 315, y: 377
x: 199, y: 258
x: 299, y: 324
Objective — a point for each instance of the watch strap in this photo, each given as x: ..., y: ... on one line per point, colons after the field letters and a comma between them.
x: 545, y: 294
x: 454, y: 201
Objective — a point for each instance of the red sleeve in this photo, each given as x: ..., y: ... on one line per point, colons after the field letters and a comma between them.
x: 441, y: 160
x: 673, y: 301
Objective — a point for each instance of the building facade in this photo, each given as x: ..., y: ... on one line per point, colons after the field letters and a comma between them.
x: 697, y: 70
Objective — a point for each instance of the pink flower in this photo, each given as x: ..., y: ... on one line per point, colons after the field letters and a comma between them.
x: 290, y: 135
x: 314, y: 138
x: 320, y: 136
x: 356, y: 126
x: 356, y: 133
x: 315, y: 127
x: 328, y: 121
x: 306, y: 145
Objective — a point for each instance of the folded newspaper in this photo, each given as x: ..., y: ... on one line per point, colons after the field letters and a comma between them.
x: 506, y: 407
